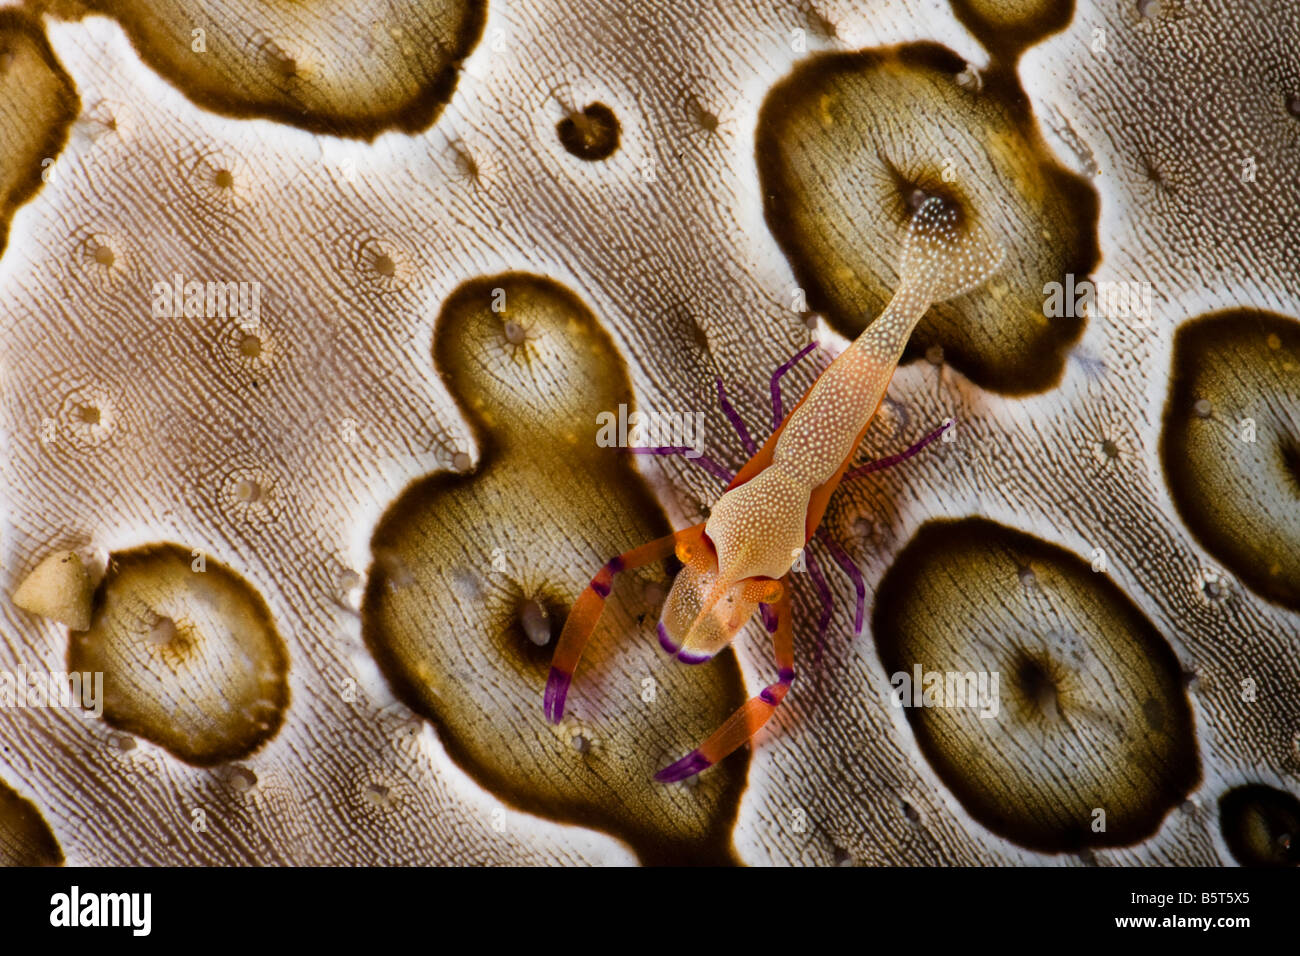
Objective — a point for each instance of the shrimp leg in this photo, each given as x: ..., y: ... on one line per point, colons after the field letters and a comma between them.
x: 828, y: 603
x: 708, y: 464
x: 902, y: 456
x: 778, y: 410
x: 737, y: 422
x: 846, y: 563
x: 745, y: 722
x: 587, y: 610
x: 704, y: 461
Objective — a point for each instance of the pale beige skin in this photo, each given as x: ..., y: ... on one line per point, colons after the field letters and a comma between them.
x: 758, y: 528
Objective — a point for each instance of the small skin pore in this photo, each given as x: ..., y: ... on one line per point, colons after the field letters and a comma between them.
x: 738, y: 561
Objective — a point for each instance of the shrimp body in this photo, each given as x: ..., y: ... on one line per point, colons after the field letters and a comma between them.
x: 759, y: 527
x: 734, y: 563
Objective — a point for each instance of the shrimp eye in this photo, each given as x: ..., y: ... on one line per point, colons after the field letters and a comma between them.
x: 694, y: 552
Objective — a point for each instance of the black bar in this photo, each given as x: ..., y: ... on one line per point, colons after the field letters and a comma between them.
x: 334, y: 906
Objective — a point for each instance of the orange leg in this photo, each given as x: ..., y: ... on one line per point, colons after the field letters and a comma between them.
x: 587, y: 610
x: 744, y: 723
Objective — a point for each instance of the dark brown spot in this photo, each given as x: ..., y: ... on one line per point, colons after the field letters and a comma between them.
x: 25, y: 837
x: 1290, y: 452
x: 1007, y: 36
x: 840, y: 179
x: 477, y: 658
x: 1074, y: 655
x: 1035, y: 682
x: 39, y: 105
x: 1235, y: 485
x: 704, y: 117
x: 591, y: 134
x: 1261, y: 826
x: 191, y: 660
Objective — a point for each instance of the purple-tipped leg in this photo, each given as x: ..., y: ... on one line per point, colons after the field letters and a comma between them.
x: 557, y: 688
x: 902, y: 456
x: 736, y: 421
x: 704, y: 461
x: 778, y: 412
x: 828, y: 604
x: 688, y: 766
x: 851, y: 569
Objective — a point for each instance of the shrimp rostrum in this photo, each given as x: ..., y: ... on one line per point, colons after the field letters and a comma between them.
x: 738, y: 561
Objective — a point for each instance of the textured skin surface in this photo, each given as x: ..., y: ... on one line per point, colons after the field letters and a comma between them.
x: 37, y: 104
x: 358, y: 245
x: 844, y: 132
x: 1234, y: 409
x: 25, y: 839
x: 1090, y: 712
x: 332, y: 66
x: 191, y: 661
x: 458, y: 557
